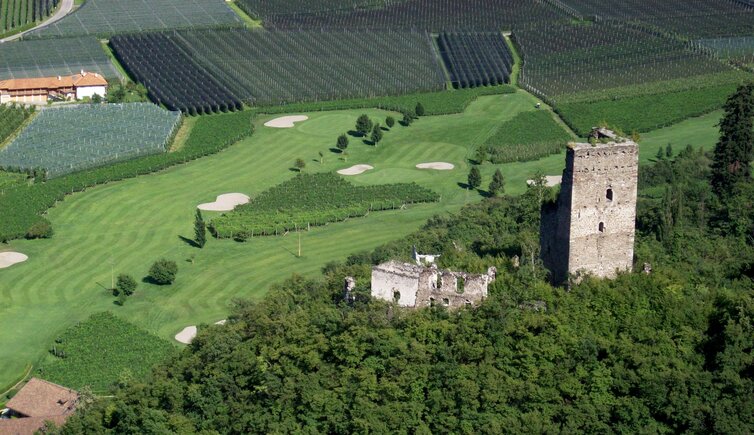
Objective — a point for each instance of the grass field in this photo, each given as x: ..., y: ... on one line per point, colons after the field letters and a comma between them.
x: 134, y: 222
x: 126, y: 225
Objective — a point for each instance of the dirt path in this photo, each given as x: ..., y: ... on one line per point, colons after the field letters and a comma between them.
x: 65, y: 9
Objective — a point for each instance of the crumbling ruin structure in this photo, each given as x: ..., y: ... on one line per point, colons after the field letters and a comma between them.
x: 415, y: 286
x: 591, y: 227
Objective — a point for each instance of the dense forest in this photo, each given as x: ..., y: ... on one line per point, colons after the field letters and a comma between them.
x: 661, y: 352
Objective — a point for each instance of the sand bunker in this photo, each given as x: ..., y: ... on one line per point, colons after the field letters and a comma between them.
x: 550, y: 180
x: 187, y: 334
x: 225, y: 202
x: 355, y: 170
x: 8, y: 259
x: 438, y: 166
x: 285, y: 121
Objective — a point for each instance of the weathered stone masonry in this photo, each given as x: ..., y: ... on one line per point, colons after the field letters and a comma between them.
x: 416, y: 286
x: 591, y: 228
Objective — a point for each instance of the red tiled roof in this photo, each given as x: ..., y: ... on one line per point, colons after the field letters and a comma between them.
x: 76, y: 80
x: 40, y: 398
x: 29, y: 425
x: 89, y: 79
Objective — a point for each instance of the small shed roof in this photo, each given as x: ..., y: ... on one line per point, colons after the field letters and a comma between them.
x: 39, y: 398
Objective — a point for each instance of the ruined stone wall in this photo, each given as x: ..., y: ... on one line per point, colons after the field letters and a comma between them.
x: 417, y: 286
x: 454, y: 289
x: 592, y: 227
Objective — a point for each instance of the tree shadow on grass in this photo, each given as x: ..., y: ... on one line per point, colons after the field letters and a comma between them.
x: 336, y: 151
x: 188, y: 241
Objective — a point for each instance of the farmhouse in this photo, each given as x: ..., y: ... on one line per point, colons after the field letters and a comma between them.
x: 36, y: 403
x: 415, y: 286
x: 40, y: 89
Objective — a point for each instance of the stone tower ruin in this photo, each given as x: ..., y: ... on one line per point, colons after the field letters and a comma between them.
x: 590, y: 229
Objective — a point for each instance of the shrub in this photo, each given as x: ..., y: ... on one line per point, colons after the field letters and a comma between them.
x: 419, y: 109
x: 42, y: 229
x: 163, y: 272
x: 125, y: 285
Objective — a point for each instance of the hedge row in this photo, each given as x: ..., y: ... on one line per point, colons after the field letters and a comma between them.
x: 435, y: 103
x: 22, y: 206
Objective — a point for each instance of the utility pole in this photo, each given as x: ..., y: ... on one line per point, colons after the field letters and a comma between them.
x: 112, y: 271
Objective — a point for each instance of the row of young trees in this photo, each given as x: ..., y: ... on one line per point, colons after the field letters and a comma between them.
x: 373, y: 132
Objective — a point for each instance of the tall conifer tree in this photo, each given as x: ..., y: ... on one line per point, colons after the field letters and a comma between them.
x: 733, y: 152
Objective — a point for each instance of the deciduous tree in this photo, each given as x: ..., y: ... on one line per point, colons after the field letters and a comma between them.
x: 364, y: 125
x: 163, y: 271
x: 342, y: 142
x: 125, y: 285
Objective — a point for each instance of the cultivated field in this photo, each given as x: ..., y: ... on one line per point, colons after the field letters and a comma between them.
x: 311, y: 200
x: 100, y: 351
x: 19, y: 14
x: 65, y: 56
x: 207, y: 71
x: 133, y: 222
x: 528, y: 136
x: 69, y: 139
x: 108, y: 17
x: 476, y: 59
x: 695, y: 18
x: 569, y: 59
x: 11, y: 119
x: 432, y: 15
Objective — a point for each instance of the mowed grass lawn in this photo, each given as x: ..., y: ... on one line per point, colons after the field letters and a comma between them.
x: 125, y: 226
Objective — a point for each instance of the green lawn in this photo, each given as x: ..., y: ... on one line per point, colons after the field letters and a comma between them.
x: 133, y: 222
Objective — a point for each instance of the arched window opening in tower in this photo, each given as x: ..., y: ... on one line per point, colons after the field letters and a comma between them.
x: 602, y: 227
x: 609, y: 195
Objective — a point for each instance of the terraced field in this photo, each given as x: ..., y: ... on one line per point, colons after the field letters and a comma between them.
x: 134, y: 222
